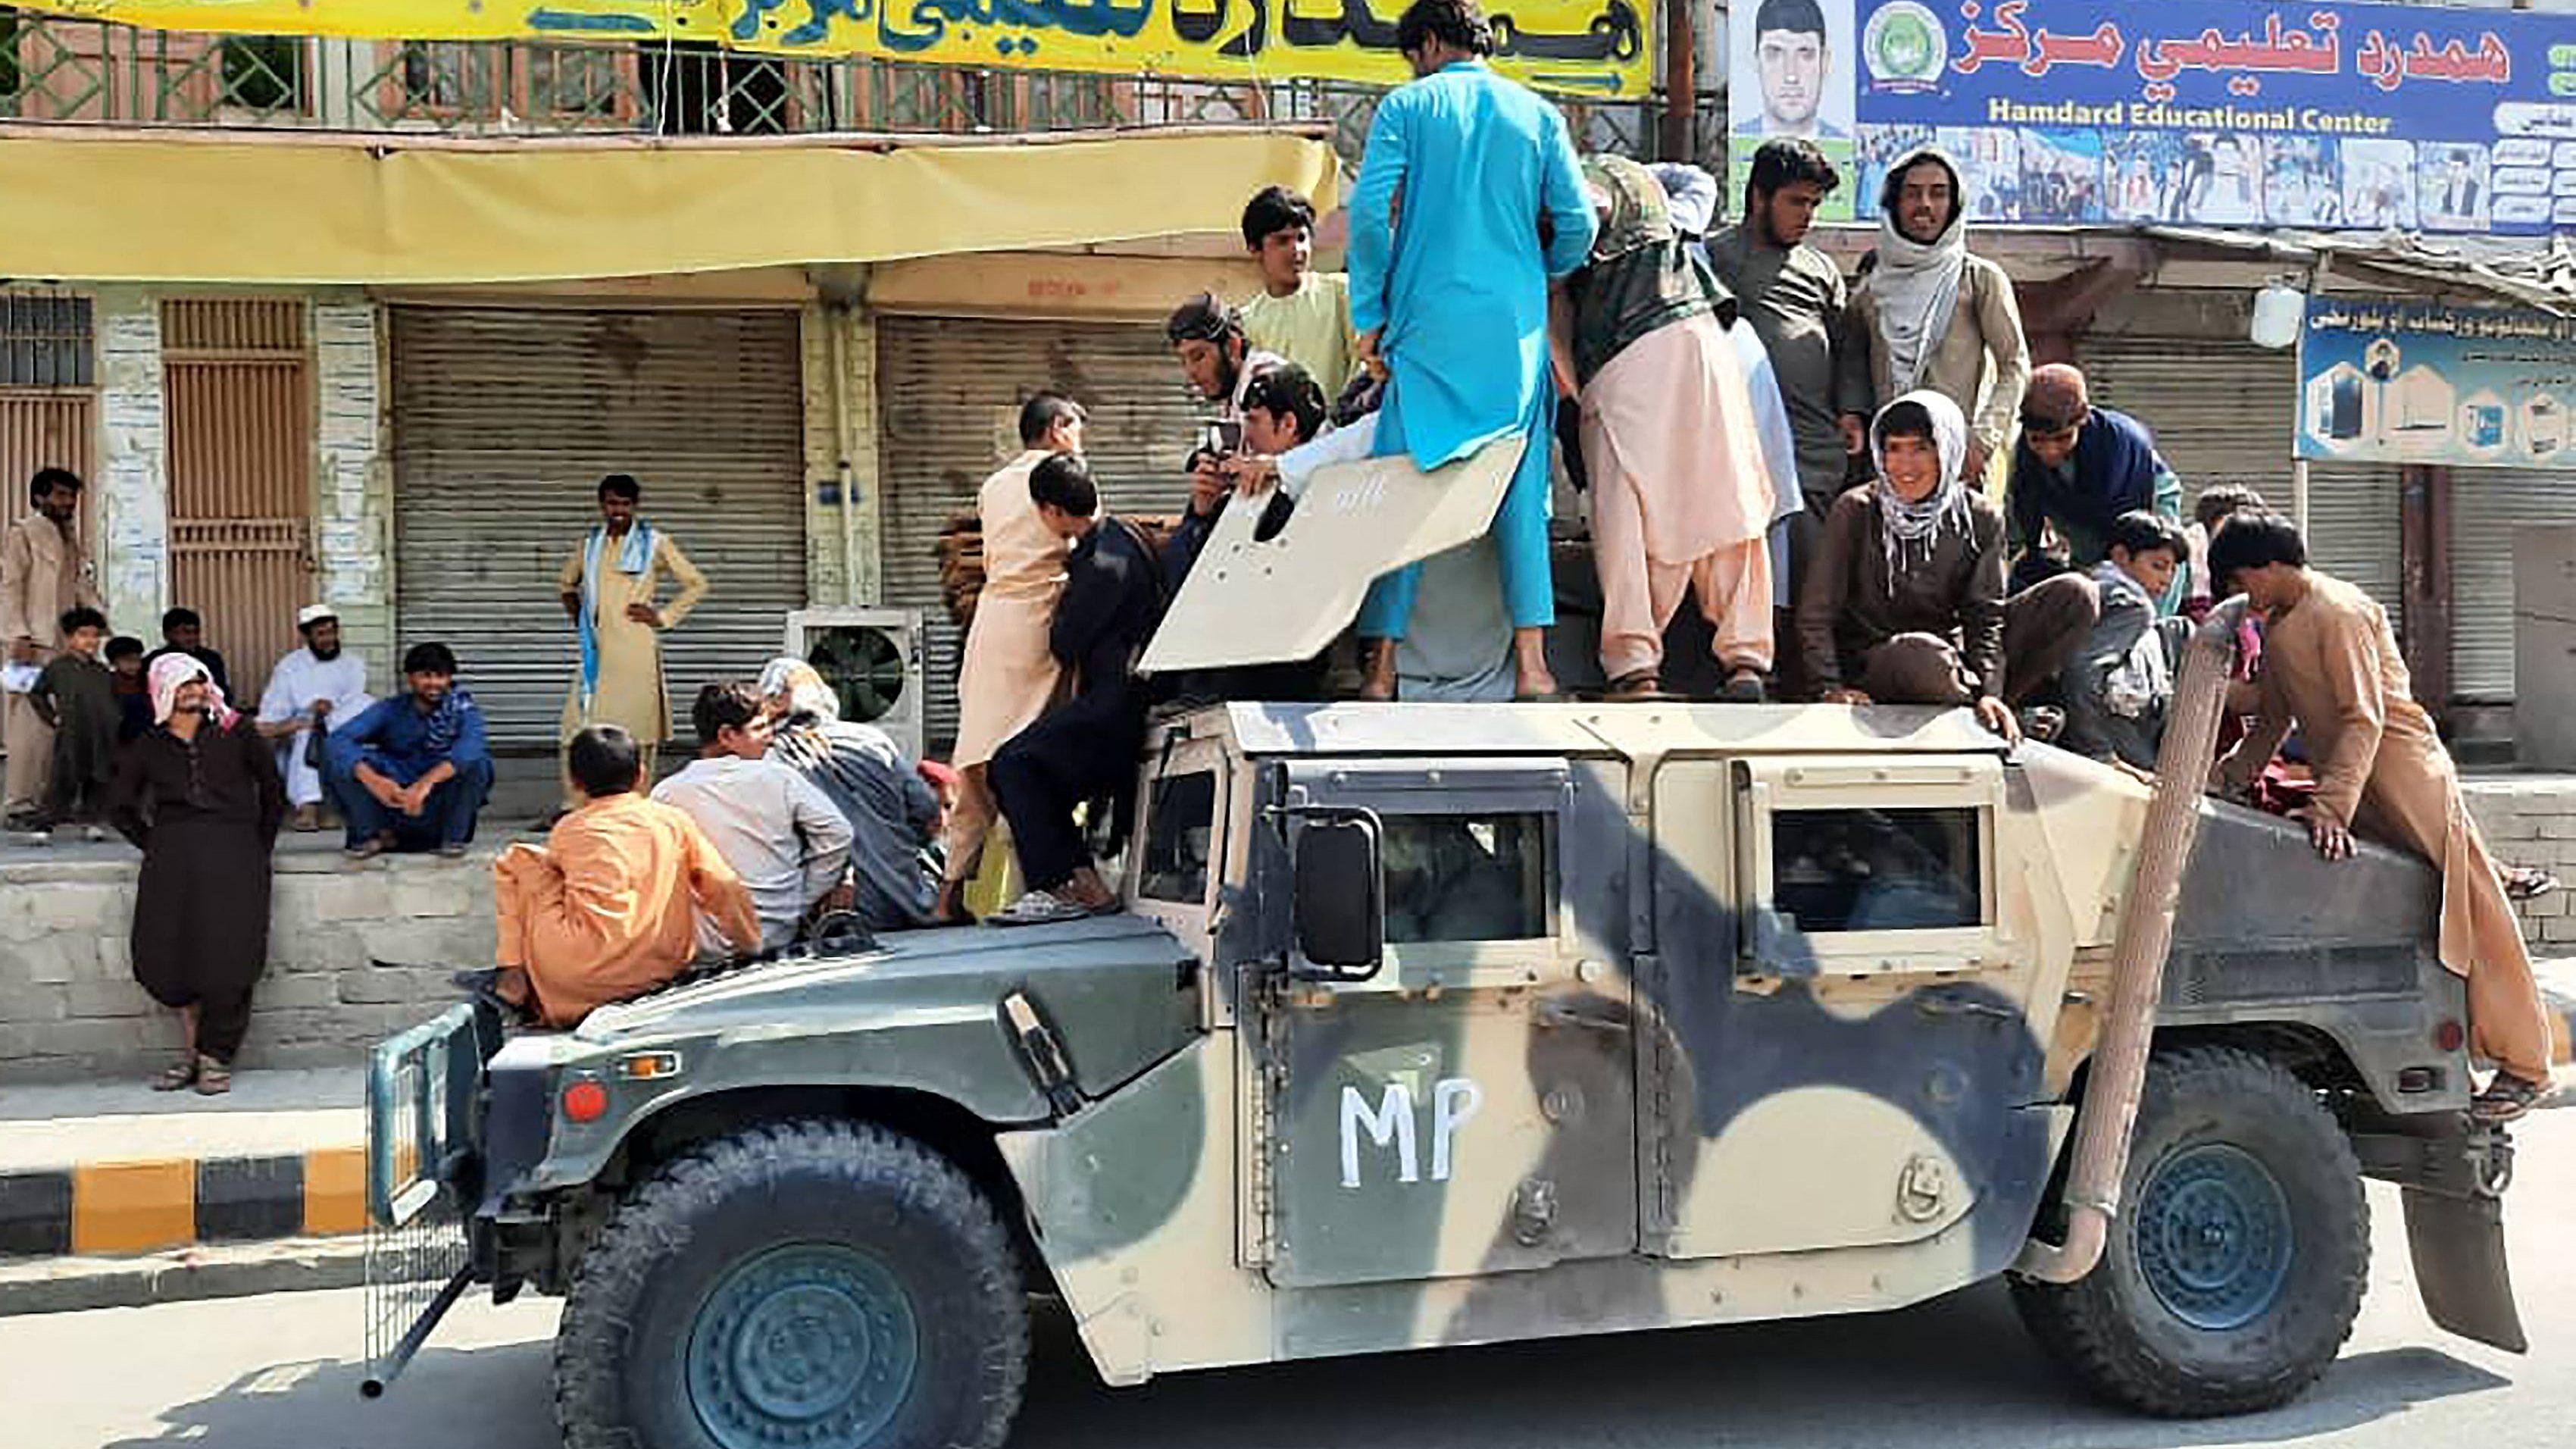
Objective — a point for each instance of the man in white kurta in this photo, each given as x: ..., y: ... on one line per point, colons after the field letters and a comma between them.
x: 309, y: 689
x: 1008, y: 677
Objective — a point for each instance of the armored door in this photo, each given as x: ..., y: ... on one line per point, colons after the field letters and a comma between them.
x: 1470, y: 1109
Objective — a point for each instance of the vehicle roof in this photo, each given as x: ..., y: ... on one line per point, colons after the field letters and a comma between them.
x: 1622, y: 730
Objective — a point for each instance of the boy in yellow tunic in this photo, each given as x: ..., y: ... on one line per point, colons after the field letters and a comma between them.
x: 2331, y: 665
x: 608, y: 589
x: 1300, y: 314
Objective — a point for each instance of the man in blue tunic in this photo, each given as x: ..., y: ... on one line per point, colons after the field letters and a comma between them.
x: 1453, y: 302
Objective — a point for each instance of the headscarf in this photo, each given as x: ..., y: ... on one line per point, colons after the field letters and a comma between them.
x: 1917, y: 285
x: 634, y: 555
x: 809, y: 699
x: 169, y: 672
x: 1904, y: 526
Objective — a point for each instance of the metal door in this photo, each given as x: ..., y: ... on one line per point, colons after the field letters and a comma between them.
x: 1471, y: 1110
x: 504, y: 422
x: 952, y: 389
x: 239, y: 376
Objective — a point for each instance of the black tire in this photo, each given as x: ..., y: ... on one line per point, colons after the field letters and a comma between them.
x: 874, y: 1259
x: 2226, y: 1318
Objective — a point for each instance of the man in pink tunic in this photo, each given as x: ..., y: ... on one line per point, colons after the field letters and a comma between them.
x: 1680, y: 495
x: 1008, y: 677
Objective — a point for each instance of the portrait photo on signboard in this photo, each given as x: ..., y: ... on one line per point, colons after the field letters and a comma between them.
x: 2061, y: 176
x: 2301, y: 184
x: 2378, y: 184
x: 2451, y: 186
x: 1791, y: 69
x: 2222, y: 178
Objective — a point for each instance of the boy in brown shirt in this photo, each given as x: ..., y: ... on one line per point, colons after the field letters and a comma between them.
x: 1905, y: 603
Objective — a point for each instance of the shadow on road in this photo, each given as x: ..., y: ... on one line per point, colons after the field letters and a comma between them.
x: 1959, y: 1373
x: 494, y: 1397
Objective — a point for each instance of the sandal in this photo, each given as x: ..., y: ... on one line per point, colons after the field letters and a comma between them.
x: 177, y: 1077
x: 2507, y: 1097
x: 214, y: 1078
x: 2527, y: 882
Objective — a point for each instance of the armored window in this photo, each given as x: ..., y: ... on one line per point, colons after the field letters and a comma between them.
x: 1481, y: 877
x: 1877, y: 870
x: 1180, y: 829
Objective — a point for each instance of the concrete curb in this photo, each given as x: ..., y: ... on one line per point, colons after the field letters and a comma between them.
x: 96, y: 1209
x: 70, y: 1285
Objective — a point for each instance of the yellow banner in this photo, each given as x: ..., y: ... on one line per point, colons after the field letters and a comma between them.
x: 1594, y: 48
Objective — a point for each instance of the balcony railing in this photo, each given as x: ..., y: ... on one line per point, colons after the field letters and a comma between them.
x: 58, y: 69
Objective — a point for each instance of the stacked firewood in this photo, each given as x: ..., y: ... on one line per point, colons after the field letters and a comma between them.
x: 960, y: 552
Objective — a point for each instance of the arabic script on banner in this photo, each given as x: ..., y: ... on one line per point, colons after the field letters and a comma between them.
x: 2392, y: 381
x: 1595, y: 48
x: 2225, y: 113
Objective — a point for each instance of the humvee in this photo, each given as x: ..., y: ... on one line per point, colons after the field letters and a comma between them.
x: 1429, y: 1025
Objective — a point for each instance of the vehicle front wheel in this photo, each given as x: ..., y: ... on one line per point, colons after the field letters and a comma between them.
x: 827, y: 1285
x: 2236, y: 1266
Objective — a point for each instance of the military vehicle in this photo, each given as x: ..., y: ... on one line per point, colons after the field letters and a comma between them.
x: 1432, y: 1025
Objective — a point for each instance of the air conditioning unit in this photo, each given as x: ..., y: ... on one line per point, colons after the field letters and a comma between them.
x: 872, y: 659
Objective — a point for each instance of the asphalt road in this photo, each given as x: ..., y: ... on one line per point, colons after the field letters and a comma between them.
x: 280, y: 1373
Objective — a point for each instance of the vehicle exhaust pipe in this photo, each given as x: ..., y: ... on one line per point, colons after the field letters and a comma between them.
x: 2119, y: 1072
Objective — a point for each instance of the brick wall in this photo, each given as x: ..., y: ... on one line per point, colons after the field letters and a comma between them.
x: 2532, y: 821
x: 69, y: 1008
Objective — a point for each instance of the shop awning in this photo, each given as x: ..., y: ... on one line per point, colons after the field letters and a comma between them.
x: 246, y: 208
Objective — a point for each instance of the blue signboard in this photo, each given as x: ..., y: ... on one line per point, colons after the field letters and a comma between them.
x: 2418, y: 382
x: 2195, y: 112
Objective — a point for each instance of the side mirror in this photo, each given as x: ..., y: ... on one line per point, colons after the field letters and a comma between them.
x: 1341, y: 897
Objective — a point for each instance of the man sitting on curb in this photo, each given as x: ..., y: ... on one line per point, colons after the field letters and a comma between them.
x: 607, y: 909
x: 411, y: 772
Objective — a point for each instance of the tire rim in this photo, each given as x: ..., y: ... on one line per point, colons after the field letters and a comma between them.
x: 813, y: 1345
x: 2214, y: 1240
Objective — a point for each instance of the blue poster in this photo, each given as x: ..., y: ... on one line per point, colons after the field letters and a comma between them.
x: 2190, y: 112
x: 2419, y: 382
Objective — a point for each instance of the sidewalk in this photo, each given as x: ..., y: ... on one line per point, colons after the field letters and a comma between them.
x: 116, y: 1168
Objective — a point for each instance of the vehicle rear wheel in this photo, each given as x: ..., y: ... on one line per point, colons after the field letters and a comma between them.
x: 2237, y: 1264
x: 827, y: 1285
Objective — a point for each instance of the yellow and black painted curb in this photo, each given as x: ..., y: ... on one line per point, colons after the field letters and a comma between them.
x: 108, y: 1208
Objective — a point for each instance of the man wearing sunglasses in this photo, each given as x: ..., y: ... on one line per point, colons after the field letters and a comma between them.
x: 2078, y: 468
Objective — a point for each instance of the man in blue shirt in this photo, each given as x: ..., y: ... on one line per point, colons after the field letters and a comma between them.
x: 411, y: 773
x: 1452, y: 302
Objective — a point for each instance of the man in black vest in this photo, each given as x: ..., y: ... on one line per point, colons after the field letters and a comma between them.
x: 1086, y: 748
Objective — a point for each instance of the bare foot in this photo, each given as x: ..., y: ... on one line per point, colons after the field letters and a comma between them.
x: 1379, y: 682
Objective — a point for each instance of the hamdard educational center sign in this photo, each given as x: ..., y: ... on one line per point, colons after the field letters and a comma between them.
x: 2192, y: 112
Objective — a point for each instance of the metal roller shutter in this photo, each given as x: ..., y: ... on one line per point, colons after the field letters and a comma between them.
x: 504, y: 422
x: 952, y: 390
x: 2222, y: 412
x: 2488, y: 505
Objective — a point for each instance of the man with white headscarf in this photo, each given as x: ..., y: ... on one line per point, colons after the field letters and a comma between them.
x: 1929, y: 316
x: 1905, y: 603
x: 309, y: 689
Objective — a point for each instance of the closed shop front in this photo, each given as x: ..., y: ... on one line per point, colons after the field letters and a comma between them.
x: 2488, y: 505
x: 503, y: 422
x: 952, y: 390
x: 2223, y: 411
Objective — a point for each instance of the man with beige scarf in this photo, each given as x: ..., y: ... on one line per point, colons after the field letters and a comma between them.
x: 1928, y: 315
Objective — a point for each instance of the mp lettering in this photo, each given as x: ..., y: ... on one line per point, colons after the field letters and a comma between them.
x: 1390, y: 1124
